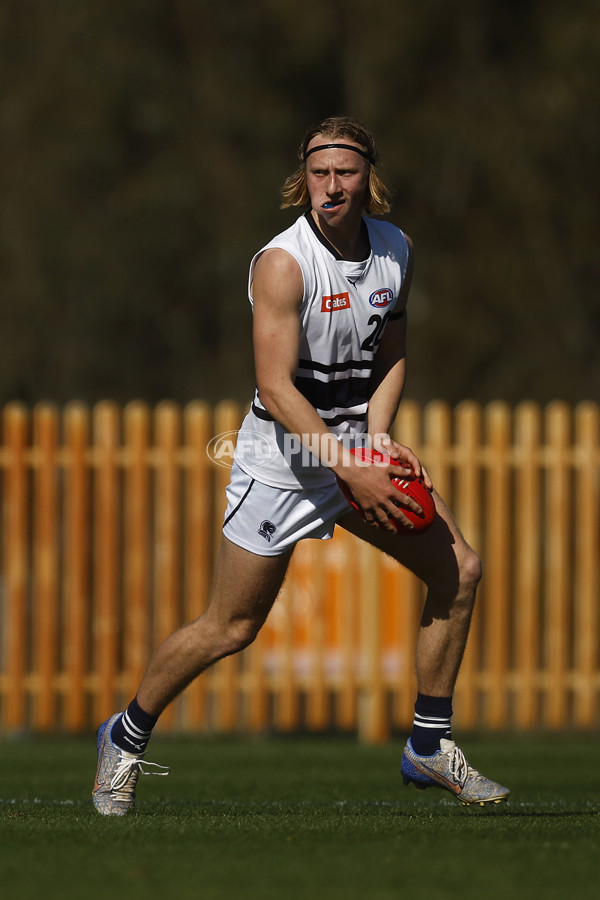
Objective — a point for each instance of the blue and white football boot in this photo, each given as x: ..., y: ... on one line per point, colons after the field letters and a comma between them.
x: 448, y: 769
x: 117, y: 774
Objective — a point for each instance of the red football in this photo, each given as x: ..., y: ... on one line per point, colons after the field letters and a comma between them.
x: 411, y: 487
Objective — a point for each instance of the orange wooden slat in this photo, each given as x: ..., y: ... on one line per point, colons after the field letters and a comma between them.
x: 16, y: 630
x: 45, y: 612
x: 557, y: 562
x: 586, y: 656
x: 107, y: 630
x: 527, y: 578
x: 438, y: 451
x: 76, y: 559
x: 497, y: 608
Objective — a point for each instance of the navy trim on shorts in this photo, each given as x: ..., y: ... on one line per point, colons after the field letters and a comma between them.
x: 261, y: 413
x: 233, y: 511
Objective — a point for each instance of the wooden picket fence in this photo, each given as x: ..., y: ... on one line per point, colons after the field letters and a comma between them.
x: 110, y: 518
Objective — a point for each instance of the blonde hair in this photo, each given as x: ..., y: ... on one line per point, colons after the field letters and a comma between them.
x: 295, y: 191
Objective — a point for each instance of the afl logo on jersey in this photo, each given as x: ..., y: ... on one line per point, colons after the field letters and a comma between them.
x: 382, y: 297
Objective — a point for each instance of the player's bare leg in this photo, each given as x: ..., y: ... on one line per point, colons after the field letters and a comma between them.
x: 245, y: 587
x: 451, y: 570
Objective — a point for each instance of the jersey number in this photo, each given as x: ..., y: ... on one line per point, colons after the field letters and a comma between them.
x: 371, y: 341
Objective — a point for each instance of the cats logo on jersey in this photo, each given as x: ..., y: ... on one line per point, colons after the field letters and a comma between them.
x: 335, y: 302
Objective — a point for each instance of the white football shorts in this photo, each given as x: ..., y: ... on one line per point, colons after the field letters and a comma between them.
x: 268, y: 520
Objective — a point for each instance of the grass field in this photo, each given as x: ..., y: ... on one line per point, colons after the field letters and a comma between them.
x: 300, y: 818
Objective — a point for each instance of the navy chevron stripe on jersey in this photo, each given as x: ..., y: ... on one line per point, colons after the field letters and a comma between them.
x: 328, y: 368
x: 329, y: 420
x: 344, y: 394
x: 347, y: 416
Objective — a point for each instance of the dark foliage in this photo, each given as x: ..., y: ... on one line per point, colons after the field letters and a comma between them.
x: 143, y: 146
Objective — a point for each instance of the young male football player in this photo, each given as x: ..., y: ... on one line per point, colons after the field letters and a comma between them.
x: 329, y: 299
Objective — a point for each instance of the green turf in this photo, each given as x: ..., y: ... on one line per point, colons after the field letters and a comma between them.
x: 317, y: 818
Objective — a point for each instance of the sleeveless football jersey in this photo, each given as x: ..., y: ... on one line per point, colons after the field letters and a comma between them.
x: 344, y: 312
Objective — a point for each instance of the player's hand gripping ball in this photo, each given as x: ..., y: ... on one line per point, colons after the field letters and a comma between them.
x: 410, y: 487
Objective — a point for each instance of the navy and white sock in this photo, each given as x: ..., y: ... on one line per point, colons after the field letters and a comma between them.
x: 132, y: 731
x: 432, y: 722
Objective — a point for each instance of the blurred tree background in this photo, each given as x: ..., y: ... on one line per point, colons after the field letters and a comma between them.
x: 144, y: 143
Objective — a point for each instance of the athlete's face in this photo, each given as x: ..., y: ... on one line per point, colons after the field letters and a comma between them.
x: 337, y: 181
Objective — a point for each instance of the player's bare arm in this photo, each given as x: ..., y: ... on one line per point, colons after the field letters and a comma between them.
x: 389, y: 365
x: 277, y: 289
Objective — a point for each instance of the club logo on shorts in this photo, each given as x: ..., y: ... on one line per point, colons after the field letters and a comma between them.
x: 335, y: 302
x: 267, y: 530
x: 382, y: 297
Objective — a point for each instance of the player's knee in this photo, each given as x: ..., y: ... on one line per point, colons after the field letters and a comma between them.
x: 469, y: 576
x: 456, y: 576
x: 470, y: 571
x: 239, y: 634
